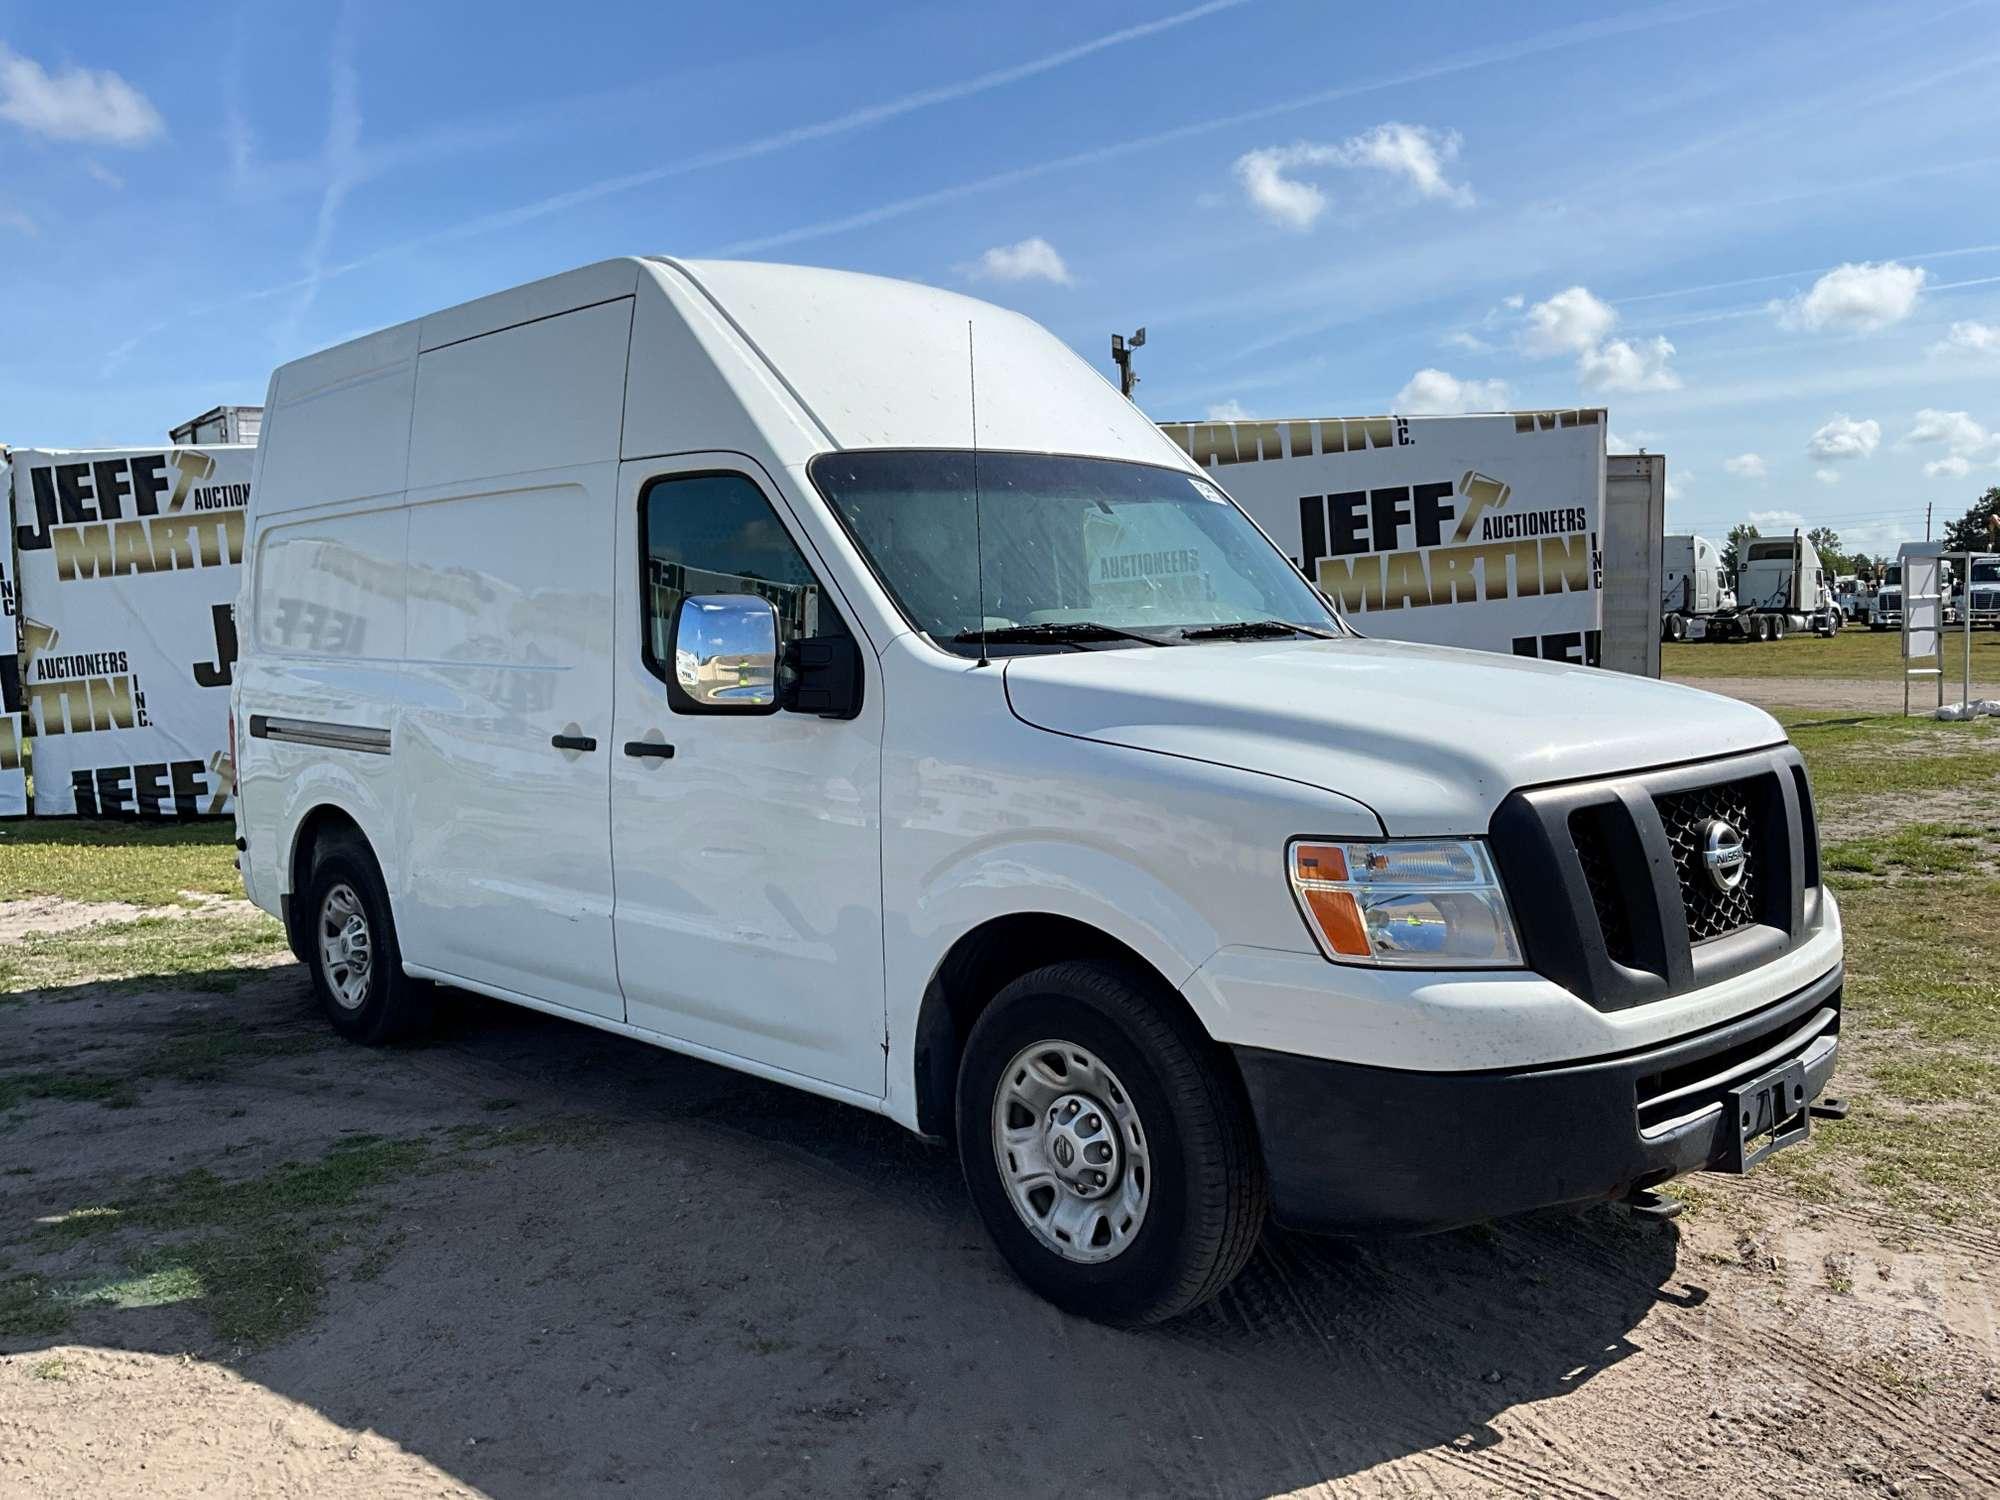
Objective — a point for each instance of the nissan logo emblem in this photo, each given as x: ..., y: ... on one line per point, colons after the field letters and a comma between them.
x: 1722, y: 855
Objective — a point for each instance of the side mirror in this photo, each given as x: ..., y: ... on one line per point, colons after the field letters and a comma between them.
x: 725, y: 654
x: 823, y: 676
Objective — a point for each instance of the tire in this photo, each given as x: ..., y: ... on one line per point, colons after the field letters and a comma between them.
x: 368, y: 998
x: 1677, y: 627
x: 1777, y: 627
x: 1189, y: 1219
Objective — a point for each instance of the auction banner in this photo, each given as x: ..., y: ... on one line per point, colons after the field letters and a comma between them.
x: 1477, y: 531
x: 129, y: 561
x: 13, y: 775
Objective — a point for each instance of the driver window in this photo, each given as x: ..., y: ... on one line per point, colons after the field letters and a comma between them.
x: 717, y: 534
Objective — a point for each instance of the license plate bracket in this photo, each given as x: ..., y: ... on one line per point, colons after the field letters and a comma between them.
x: 1765, y: 1115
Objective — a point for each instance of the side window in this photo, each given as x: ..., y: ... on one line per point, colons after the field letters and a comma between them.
x: 717, y: 534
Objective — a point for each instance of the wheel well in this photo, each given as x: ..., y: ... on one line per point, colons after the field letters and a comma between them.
x: 323, y: 822
x: 982, y: 963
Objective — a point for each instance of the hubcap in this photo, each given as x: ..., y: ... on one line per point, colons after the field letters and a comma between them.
x: 345, y: 950
x: 1071, y: 1152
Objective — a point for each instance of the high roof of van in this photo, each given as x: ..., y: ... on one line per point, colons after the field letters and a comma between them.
x: 787, y: 361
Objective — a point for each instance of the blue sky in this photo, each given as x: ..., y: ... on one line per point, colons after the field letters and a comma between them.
x: 1766, y: 236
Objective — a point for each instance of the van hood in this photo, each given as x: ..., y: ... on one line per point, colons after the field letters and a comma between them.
x: 1432, y: 738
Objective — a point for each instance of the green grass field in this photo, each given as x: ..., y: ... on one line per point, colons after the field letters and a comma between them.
x: 1855, y: 652
x: 147, y: 864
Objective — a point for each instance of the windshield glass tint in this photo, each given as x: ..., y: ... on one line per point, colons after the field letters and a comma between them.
x: 1064, y: 540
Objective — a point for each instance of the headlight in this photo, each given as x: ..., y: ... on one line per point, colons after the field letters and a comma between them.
x: 1414, y: 903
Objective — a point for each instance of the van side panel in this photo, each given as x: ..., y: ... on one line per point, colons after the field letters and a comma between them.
x: 513, y: 476
x: 337, y: 426
x: 331, y: 585
x: 321, y: 637
x: 695, y: 386
x: 545, y: 395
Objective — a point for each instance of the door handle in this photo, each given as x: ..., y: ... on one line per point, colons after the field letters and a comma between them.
x: 573, y: 742
x: 641, y: 749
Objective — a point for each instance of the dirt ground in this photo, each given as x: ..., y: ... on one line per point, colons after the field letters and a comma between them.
x: 610, y: 1269
x: 1861, y: 695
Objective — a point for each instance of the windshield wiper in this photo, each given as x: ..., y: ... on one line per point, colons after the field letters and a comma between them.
x: 1253, y: 630
x: 1055, y: 632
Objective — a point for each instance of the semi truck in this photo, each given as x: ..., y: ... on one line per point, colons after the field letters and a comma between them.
x: 723, y: 673
x: 1780, y: 588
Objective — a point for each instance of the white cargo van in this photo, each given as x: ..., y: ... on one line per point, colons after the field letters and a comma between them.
x: 670, y: 647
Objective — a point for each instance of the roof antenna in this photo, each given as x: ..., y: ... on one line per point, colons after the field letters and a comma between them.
x: 978, y: 538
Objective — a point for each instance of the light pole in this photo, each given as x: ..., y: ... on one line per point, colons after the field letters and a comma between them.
x: 1121, y: 356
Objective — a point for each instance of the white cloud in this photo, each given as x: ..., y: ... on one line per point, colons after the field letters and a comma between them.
x: 1965, y: 441
x: 20, y: 223
x: 1677, y: 482
x: 1970, y: 338
x: 1779, y: 520
x: 76, y: 104
x: 1471, y: 343
x: 1032, y: 259
x: 1860, y: 296
x: 1228, y: 411
x: 1437, y: 393
x: 1746, y: 466
x: 1638, y: 440
x: 1844, y: 438
x: 1954, y: 429
x: 1827, y: 476
x: 103, y: 174
x: 1571, y: 322
x: 1415, y: 153
x: 1514, y: 302
x: 1623, y: 366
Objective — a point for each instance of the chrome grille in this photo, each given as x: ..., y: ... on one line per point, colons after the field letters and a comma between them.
x: 1711, y: 911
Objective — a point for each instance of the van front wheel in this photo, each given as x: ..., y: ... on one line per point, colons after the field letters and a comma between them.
x: 351, y: 949
x: 1110, y: 1154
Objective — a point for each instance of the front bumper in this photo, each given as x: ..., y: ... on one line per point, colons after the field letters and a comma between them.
x: 1352, y: 1149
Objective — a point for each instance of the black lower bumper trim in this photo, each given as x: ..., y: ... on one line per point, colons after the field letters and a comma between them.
x: 1352, y: 1149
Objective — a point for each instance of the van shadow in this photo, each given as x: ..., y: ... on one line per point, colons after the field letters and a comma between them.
x: 729, y: 1287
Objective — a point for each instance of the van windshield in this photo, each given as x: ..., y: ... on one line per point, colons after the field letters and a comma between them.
x: 1079, y: 553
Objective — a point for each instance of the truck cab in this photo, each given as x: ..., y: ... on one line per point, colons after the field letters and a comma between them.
x: 1886, y: 610
x: 837, y: 680
x: 1984, y: 600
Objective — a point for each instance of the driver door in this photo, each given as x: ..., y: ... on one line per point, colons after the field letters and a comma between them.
x: 746, y: 847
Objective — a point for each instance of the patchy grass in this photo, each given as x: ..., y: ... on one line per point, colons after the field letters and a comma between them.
x: 1919, y: 849
x: 17, y: 1089
x: 30, y: 1308
x: 248, y: 1252
x: 1853, y: 756
x: 1921, y: 1031
x: 137, y: 953
x: 1855, y: 652
x: 50, y: 1369
x: 147, y: 864
x: 209, y: 1051
x: 251, y: 1252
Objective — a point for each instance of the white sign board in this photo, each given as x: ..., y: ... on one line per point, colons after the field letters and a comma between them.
x: 1476, y: 531
x: 1923, y: 602
x: 13, y: 774
x: 129, y: 560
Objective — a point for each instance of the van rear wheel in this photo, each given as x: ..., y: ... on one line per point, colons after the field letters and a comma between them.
x: 1109, y: 1152
x: 351, y: 948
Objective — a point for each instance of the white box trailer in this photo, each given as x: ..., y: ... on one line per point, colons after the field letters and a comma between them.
x: 1479, y: 531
